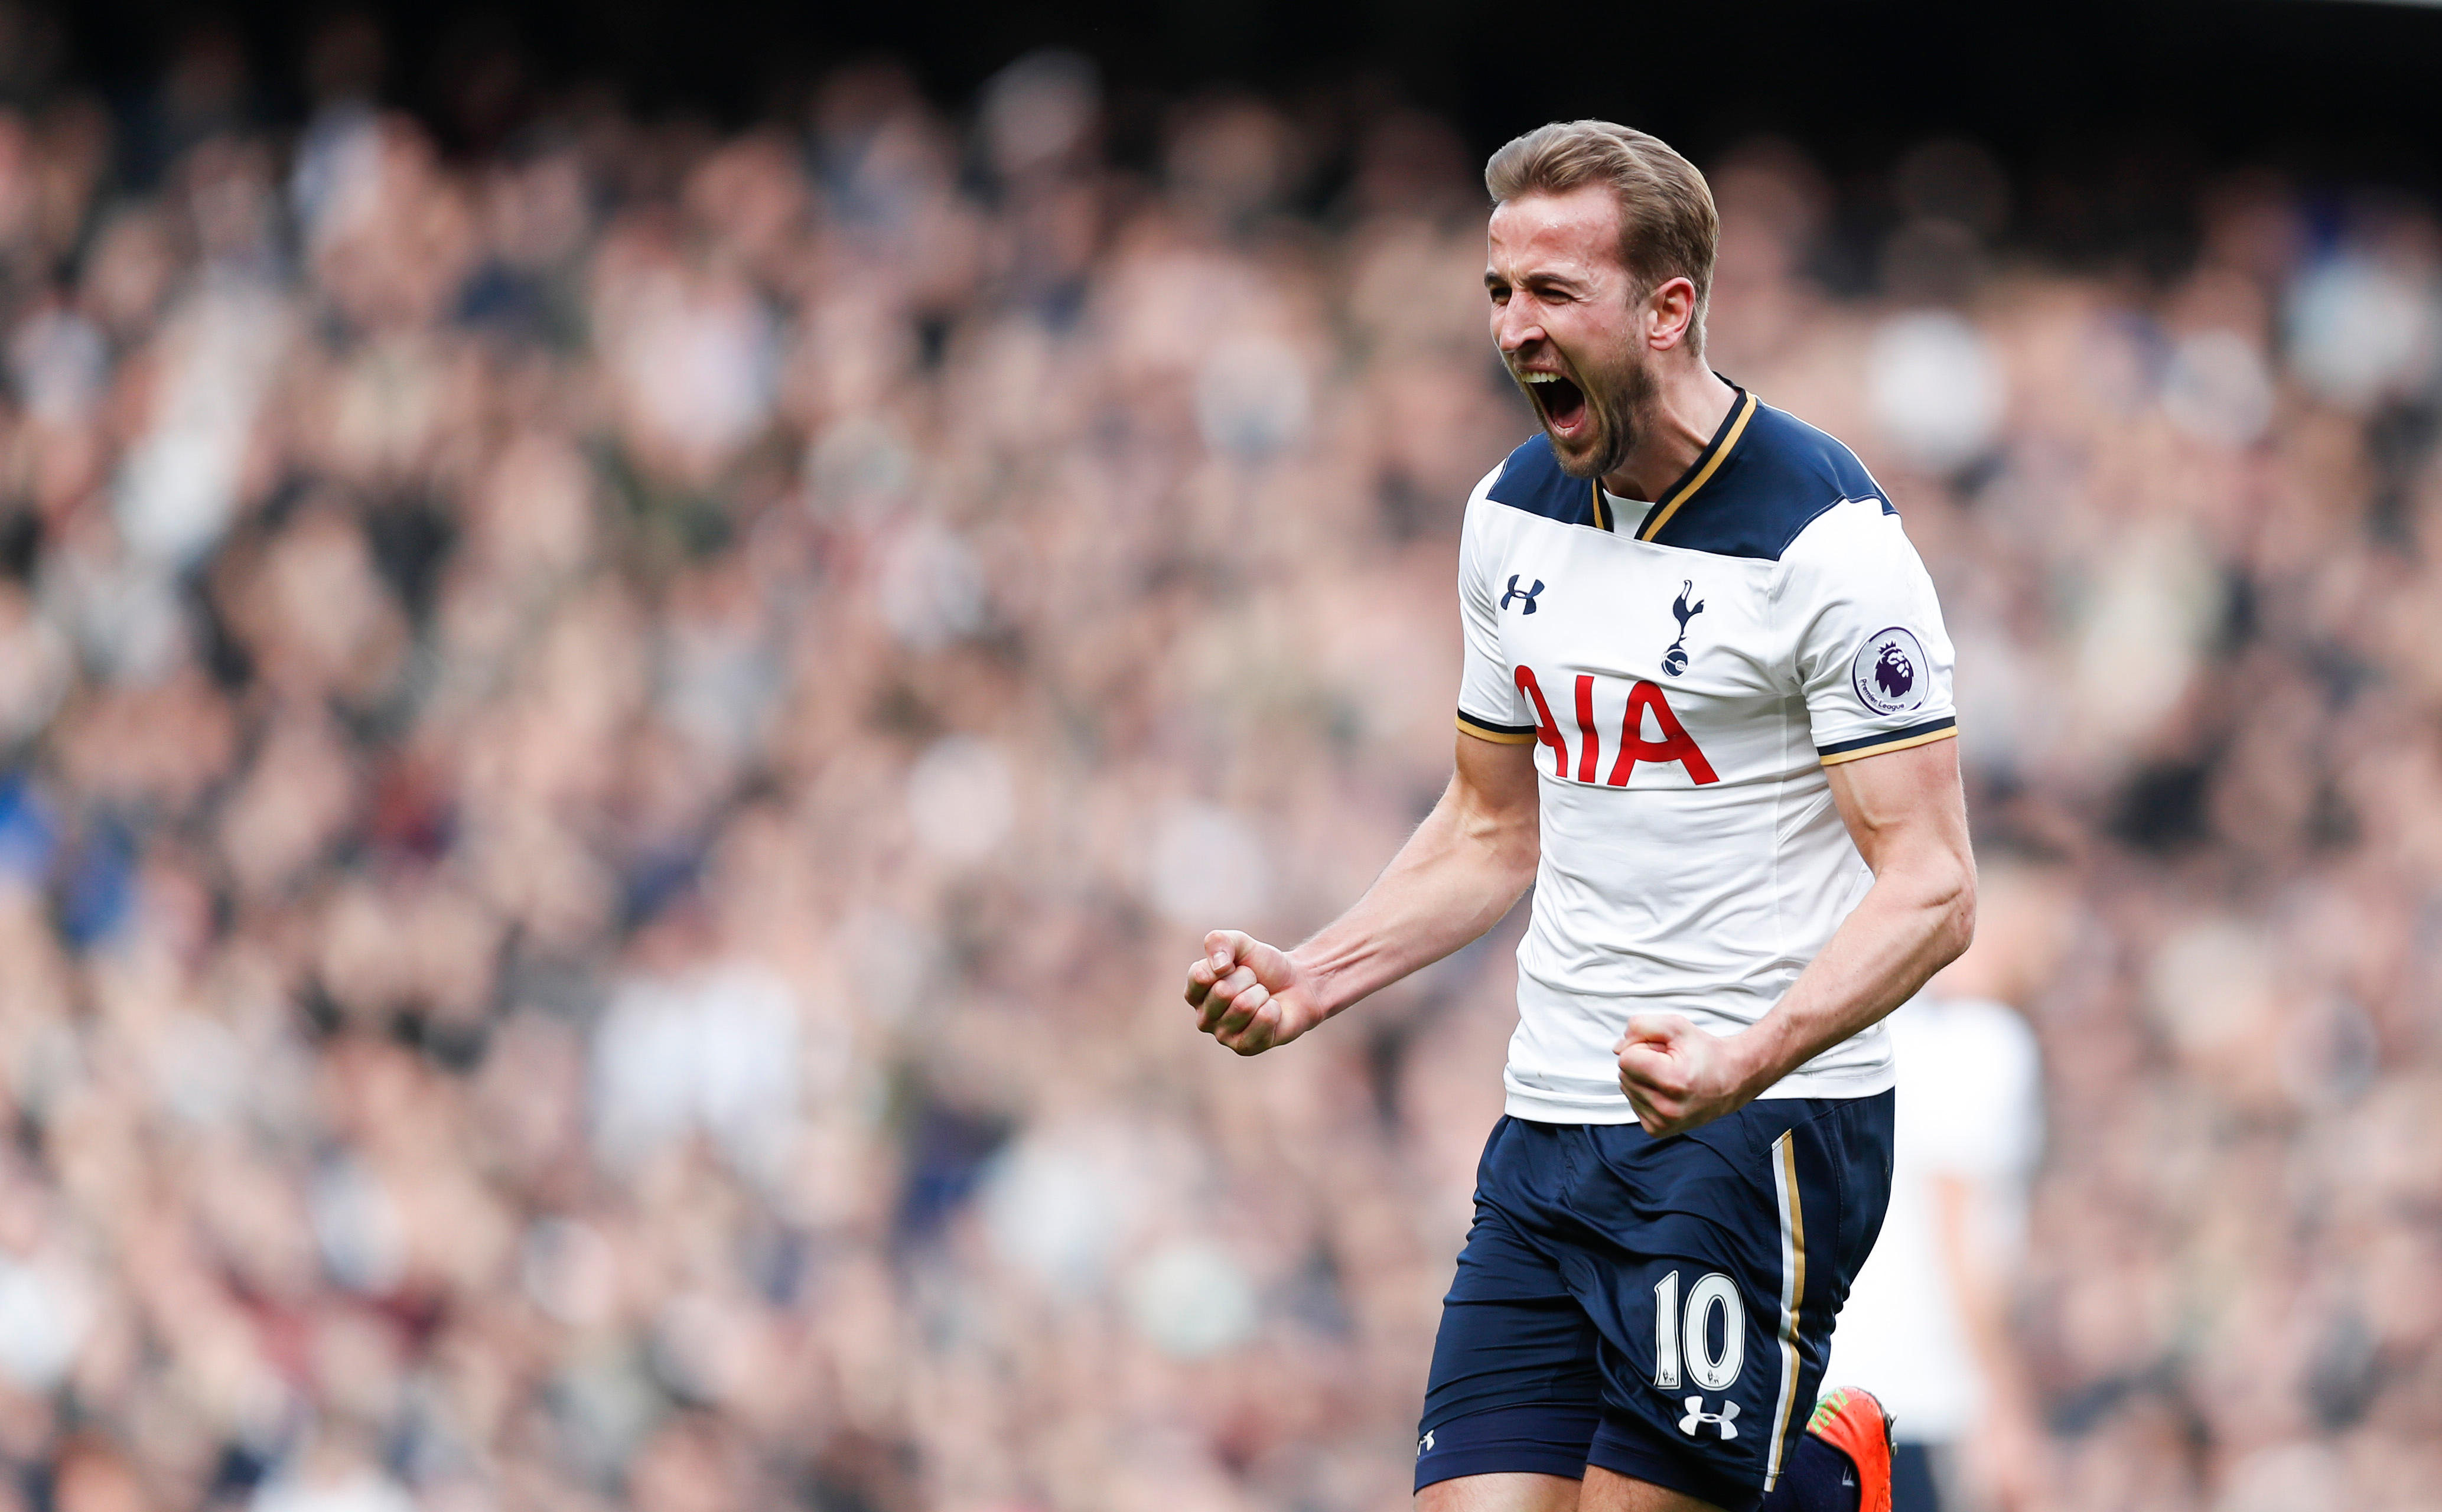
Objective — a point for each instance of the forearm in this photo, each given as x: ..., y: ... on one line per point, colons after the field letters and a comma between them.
x: 1457, y: 875
x: 1979, y: 1283
x: 1916, y: 919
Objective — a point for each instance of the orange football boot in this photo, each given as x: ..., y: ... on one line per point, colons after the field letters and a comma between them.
x: 1853, y: 1422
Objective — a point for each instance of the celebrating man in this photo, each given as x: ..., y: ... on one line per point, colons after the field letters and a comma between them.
x: 1706, y: 710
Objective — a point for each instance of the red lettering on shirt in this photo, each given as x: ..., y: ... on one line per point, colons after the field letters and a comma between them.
x: 1675, y: 745
x: 1589, y: 743
x: 1545, y: 730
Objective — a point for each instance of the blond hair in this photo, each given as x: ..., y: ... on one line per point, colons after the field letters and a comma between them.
x: 1667, y: 226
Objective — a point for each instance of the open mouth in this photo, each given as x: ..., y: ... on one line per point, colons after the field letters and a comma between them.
x: 1561, y: 402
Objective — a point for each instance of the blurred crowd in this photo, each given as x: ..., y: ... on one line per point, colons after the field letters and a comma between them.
x: 615, y: 746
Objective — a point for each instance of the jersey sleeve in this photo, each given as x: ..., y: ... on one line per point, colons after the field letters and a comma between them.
x: 1871, y: 655
x: 1489, y: 706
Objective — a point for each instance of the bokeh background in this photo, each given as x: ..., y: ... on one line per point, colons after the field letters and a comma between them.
x: 633, y: 649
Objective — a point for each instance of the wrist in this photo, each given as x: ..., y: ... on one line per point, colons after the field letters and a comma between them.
x: 1313, y: 981
x: 1756, y: 1053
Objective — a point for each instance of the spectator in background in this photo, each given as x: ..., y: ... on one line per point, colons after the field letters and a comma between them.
x: 474, y: 623
x: 1929, y: 1321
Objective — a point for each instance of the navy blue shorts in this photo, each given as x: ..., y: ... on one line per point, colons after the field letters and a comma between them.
x: 1658, y: 1307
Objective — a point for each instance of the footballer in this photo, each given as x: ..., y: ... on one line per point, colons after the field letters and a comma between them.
x: 1705, y: 711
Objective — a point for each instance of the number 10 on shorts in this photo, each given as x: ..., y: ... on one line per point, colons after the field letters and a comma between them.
x: 1686, y: 1340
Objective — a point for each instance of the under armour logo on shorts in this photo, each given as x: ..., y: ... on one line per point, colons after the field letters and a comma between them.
x: 1725, y: 1420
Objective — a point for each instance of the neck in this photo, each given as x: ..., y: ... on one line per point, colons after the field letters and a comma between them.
x: 1688, y: 406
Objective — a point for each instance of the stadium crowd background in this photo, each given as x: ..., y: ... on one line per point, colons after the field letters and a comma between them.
x: 615, y: 747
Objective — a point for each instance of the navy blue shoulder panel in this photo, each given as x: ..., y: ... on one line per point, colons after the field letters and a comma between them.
x: 1779, y: 479
x: 1531, y: 480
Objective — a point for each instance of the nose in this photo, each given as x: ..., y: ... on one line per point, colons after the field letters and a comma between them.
x: 1515, y: 326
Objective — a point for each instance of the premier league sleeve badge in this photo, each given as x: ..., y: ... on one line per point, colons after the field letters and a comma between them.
x: 1889, y: 673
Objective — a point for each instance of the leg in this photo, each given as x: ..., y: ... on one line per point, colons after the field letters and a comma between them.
x: 1610, y: 1491
x: 1510, y: 1492
x: 1601, y: 1491
x: 1513, y: 1400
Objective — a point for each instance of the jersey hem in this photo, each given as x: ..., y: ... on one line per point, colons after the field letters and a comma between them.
x: 1896, y: 740
x: 1498, y: 734
x: 1543, y: 1107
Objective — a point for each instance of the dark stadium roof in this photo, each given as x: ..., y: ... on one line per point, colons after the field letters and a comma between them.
x: 2337, y: 86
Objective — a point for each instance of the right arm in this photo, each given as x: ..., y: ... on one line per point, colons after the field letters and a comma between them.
x: 1457, y: 875
x: 2006, y: 1450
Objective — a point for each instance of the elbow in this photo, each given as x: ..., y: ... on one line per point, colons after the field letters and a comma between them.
x: 1511, y: 842
x: 1518, y: 861
x: 1956, y: 907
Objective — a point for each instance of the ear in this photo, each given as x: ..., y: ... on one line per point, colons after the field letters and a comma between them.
x: 1670, y: 314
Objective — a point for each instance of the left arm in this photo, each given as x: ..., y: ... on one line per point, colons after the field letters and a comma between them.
x: 1907, y: 814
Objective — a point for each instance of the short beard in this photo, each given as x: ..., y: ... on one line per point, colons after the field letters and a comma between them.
x: 1622, y: 410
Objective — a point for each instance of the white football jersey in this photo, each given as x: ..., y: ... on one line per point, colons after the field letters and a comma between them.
x: 1689, y: 670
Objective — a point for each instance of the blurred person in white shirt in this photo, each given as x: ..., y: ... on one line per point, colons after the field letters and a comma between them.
x: 1927, y: 1322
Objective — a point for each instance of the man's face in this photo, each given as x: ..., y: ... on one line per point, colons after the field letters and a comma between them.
x: 1571, y: 323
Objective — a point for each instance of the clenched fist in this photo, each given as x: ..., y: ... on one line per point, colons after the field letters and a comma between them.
x: 1247, y: 994
x: 1677, y: 1076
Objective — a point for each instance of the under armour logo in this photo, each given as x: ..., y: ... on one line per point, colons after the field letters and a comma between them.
x: 1526, y: 593
x: 1424, y: 1446
x: 1726, y: 1419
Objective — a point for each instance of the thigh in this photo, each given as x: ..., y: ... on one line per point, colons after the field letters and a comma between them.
x: 1510, y: 1492
x: 1600, y: 1491
x: 1711, y: 1265
x: 1515, y: 1388
x: 1609, y: 1491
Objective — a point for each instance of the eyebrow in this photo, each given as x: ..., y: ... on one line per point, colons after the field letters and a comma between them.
x: 1538, y: 277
